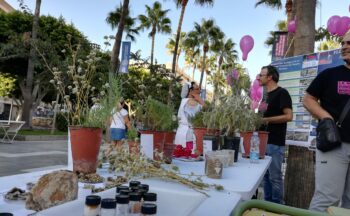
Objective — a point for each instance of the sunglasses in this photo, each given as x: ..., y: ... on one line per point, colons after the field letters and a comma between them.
x: 345, y: 42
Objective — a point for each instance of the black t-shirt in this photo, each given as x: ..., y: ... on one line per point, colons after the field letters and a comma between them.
x: 332, y: 87
x: 277, y: 100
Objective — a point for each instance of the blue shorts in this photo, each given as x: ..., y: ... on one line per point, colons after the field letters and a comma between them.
x: 117, y: 133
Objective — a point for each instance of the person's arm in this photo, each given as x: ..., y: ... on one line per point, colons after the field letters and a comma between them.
x: 198, y: 98
x: 287, y: 116
x: 127, y: 122
x: 311, y: 104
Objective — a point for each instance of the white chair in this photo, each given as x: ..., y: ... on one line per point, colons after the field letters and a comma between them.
x: 10, y: 129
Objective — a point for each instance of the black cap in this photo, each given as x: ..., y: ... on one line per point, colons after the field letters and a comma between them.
x: 142, y: 192
x: 122, y: 199
x: 134, y: 196
x: 5, y: 214
x: 108, y: 203
x: 92, y: 200
x: 148, y: 208
x: 122, y: 187
x: 144, y: 186
x: 150, y: 197
x: 134, y: 183
x: 134, y: 189
x: 124, y: 192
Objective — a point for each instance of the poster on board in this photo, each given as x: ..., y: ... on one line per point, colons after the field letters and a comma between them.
x: 296, y: 74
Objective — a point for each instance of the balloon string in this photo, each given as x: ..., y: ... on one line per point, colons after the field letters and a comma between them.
x: 290, y: 45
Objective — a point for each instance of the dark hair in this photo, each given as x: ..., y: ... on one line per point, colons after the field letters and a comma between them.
x: 190, y: 88
x: 272, y: 71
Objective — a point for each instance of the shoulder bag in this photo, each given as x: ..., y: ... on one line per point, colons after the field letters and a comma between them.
x: 328, y: 137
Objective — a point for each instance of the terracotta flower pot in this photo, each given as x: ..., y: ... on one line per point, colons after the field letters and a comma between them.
x: 199, y: 133
x: 85, y: 142
x: 263, y: 136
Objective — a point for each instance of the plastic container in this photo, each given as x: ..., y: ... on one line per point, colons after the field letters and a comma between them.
x: 92, y: 205
x: 122, y: 205
x: 108, y: 207
x: 134, y: 204
x: 254, y: 148
x: 213, y: 165
x: 272, y: 208
x: 148, y: 209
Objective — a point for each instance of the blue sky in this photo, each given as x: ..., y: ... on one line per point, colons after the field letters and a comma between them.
x: 236, y: 18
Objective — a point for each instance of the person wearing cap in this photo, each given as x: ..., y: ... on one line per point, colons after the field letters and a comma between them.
x: 325, y: 98
x: 191, y: 103
x: 117, y: 122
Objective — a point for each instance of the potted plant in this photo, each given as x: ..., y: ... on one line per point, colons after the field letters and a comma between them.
x: 157, y: 119
x: 76, y: 81
x: 133, y: 141
x: 205, y: 128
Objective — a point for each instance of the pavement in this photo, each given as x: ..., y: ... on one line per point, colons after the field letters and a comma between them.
x: 29, y: 156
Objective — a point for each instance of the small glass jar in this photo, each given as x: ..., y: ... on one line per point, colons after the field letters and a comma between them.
x: 150, y: 198
x: 92, y: 205
x: 5, y: 214
x: 121, y: 187
x: 135, y: 204
x: 122, y: 205
x: 148, y: 209
x: 134, y: 183
x: 108, y: 207
x: 144, y: 186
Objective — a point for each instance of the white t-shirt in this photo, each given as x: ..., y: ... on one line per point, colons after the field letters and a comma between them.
x: 118, y: 119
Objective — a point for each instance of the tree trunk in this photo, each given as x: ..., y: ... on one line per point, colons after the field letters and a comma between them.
x: 300, y: 173
x: 194, y: 70
x: 203, y: 69
x: 300, y: 164
x: 305, y: 28
x: 152, y: 48
x: 27, y: 86
x: 290, y: 16
x: 118, y: 40
x: 178, y: 33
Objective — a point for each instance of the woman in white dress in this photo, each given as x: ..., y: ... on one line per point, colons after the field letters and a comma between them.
x: 191, y: 103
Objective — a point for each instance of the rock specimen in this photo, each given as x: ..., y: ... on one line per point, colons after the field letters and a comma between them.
x: 53, y: 189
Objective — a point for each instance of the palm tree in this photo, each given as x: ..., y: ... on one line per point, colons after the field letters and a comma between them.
x: 118, y: 38
x: 290, y: 7
x: 207, y: 34
x: 183, y: 4
x: 328, y: 45
x: 113, y: 19
x: 226, y: 54
x: 171, y: 47
x: 192, y: 52
x: 157, y: 21
x: 27, y: 85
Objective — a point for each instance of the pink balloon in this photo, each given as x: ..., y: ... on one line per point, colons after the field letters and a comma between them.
x: 332, y: 24
x: 343, y: 25
x: 246, y: 44
x: 291, y: 26
x: 259, y: 92
x: 256, y: 84
x: 254, y: 105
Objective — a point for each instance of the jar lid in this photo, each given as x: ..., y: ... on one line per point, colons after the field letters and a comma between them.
x: 124, y: 192
x: 122, y: 187
x: 148, y: 208
x: 144, y: 186
x: 134, y: 196
x: 134, y: 183
x: 150, y: 197
x: 134, y: 188
x: 5, y: 214
x: 92, y: 200
x: 108, y: 203
x: 122, y: 199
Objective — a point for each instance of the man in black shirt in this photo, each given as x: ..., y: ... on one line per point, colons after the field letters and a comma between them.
x: 332, y: 89
x: 276, y: 116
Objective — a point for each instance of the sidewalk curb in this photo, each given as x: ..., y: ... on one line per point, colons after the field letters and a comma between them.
x: 41, y: 137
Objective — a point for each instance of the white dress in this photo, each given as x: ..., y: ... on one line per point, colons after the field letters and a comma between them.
x: 185, y: 111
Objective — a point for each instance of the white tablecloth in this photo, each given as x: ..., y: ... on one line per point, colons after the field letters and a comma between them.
x: 243, y: 178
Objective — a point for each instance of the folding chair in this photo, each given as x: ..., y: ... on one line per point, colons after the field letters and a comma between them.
x: 11, y: 130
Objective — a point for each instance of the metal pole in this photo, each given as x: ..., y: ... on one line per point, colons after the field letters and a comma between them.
x: 53, y: 128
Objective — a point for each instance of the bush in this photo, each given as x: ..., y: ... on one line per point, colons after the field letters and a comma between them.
x: 61, y: 121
